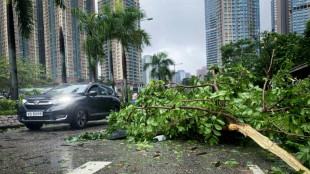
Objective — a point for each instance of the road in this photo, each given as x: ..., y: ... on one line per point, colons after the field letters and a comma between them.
x: 46, y: 151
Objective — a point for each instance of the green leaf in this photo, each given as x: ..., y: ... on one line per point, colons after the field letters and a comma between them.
x: 218, y: 127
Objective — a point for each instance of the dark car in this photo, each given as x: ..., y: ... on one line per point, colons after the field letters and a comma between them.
x: 74, y: 103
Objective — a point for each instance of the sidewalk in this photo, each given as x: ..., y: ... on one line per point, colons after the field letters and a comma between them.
x: 9, y: 121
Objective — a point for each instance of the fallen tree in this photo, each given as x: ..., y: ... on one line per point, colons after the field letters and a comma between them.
x: 280, y: 110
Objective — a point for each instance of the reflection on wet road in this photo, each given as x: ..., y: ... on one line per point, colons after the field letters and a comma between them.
x: 44, y: 151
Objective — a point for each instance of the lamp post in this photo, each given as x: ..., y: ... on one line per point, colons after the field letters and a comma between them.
x: 174, y: 77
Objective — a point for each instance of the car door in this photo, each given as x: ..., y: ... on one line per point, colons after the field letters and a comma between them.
x: 94, y: 102
x: 107, y: 99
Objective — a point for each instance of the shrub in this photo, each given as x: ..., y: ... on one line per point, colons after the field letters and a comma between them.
x: 7, y: 107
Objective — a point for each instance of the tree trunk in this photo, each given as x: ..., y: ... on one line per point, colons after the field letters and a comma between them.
x: 111, y: 65
x: 62, y: 55
x: 125, y: 91
x: 267, y: 144
x: 12, y: 51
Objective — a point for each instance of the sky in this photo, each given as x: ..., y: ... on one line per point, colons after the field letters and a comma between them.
x: 178, y: 28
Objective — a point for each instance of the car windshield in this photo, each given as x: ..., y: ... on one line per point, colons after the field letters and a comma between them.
x: 67, y: 89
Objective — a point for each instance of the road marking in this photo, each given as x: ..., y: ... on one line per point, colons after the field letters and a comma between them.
x: 255, y: 169
x: 90, y: 167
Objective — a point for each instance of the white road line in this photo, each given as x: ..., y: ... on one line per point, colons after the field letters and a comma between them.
x: 90, y: 167
x: 255, y: 169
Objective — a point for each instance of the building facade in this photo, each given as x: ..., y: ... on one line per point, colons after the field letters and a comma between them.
x: 147, y: 73
x: 299, y: 14
x: 234, y: 20
x: 201, y: 73
x: 280, y: 16
x: 43, y: 46
x: 133, y: 57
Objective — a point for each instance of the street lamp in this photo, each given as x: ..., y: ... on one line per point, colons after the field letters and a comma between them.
x: 146, y: 19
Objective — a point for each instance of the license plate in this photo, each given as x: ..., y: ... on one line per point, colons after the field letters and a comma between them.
x: 34, y: 114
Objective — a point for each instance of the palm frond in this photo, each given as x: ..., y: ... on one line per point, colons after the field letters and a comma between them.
x: 24, y: 11
x: 60, y: 4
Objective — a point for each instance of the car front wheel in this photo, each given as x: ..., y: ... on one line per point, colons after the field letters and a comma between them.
x: 79, y: 119
x: 33, y: 126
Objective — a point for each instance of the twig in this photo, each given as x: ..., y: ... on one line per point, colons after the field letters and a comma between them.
x: 272, y: 106
x: 283, y: 132
x: 280, y: 109
x: 187, y: 118
x: 193, y: 100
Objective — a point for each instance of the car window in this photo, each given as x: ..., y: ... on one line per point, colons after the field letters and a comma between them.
x: 95, y: 88
x: 108, y: 90
x: 103, y: 91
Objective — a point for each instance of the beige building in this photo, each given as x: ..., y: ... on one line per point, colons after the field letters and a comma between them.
x: 43, y: 46
x: 133, y: 58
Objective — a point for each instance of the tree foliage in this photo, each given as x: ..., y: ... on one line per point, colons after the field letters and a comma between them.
x: 30, y: 74
x: 201, y: 110
x: 288, y: 50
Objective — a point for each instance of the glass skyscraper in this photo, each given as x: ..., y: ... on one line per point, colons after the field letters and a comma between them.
x: 299, y: 14
x: 234, y: 20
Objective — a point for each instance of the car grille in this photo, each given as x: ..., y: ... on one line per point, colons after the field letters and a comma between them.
x: 38, y: 118
x: 38, y: 106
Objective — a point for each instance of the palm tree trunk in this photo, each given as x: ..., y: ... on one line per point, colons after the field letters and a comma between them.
x: 111, y: 65
x: 125, y: 75
x: 62, y: 54
x: 12, y: 51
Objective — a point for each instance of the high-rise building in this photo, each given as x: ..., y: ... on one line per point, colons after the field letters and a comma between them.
x: 43, y: 46
x: 234, y: 20
x: 280, y: 16
x: 299, y: 14
x: 133, y: 57
x: 201, y: 73
x: 147, y: 73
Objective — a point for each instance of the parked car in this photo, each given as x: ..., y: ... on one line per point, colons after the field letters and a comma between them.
x: 74, y: 103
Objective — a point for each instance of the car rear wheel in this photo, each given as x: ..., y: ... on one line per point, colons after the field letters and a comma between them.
x: 33, y: 126
x: 79, y: 119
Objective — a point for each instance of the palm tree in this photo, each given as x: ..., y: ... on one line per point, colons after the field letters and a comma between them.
x: 127, y: 32
x: 160, y: 66
x: 24, y: 10
x: 62, y: 55
x: 91, y: 25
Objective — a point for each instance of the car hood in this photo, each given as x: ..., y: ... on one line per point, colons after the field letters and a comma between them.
x: 49, y: 96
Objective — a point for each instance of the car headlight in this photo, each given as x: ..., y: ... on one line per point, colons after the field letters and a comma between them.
x: 65, y: 99
x: 62, y: 100
x: 24, y: 101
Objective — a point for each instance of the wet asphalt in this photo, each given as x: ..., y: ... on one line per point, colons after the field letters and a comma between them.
x: 45, y: 150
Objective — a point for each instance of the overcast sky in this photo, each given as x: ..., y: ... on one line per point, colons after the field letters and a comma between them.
x: 178, y: 28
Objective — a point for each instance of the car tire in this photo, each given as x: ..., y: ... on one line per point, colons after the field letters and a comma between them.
x: 116, y: 109
x: 33, y: 126
x: 79, y: 118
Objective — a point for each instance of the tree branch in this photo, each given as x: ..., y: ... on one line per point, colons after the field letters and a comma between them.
x: 193, y: 100
x: 267, y: 81
x: 272, y: 106
x: 280, y: 109
x: 283, y: 132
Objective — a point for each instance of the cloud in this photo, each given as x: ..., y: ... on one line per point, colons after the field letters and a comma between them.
x: 178, y: 28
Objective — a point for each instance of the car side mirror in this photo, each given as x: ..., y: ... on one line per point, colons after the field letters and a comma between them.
x: 93, y: 93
